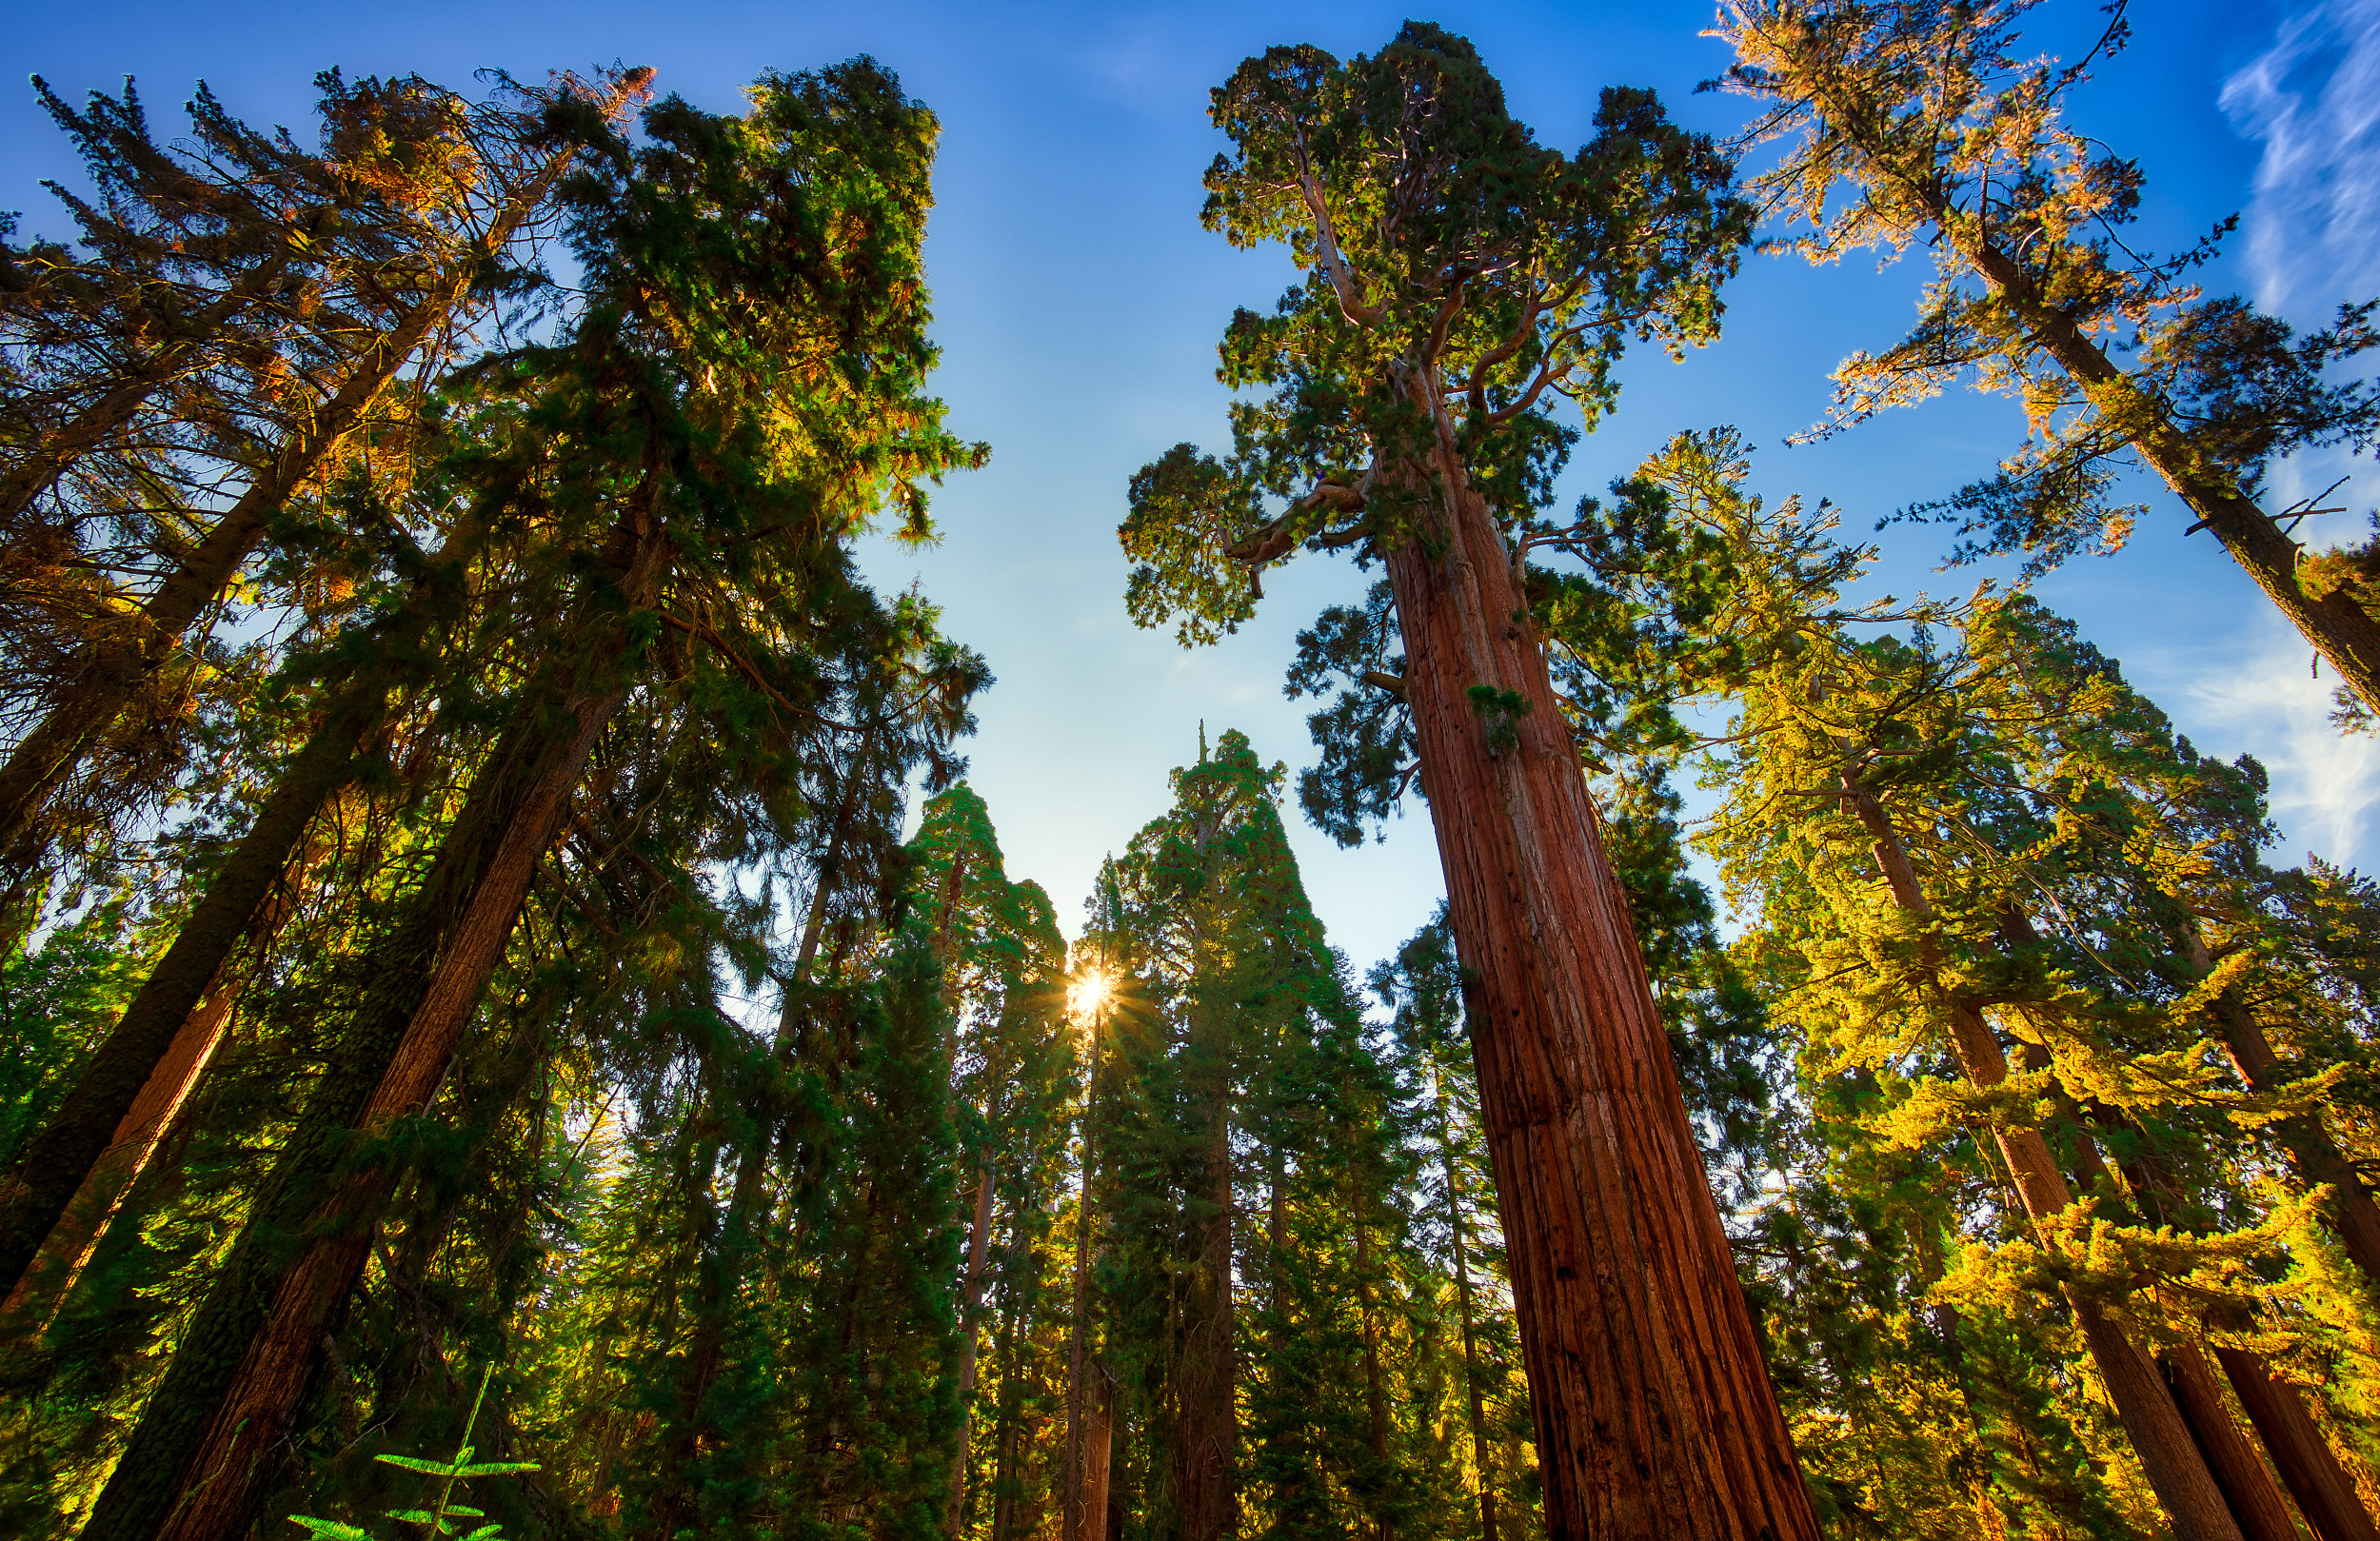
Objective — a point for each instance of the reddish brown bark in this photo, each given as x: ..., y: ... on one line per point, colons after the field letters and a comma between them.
x: 196, y: 1463
x: 2313, y: 1153
x: 45, y: 1284
x: 2177, y: 1472
x: 1655, y: 1415
x: 63, y: 1158
x: 2325, y: 1495
x: 220, y: 1476
x: 1098, y: 1456
x: 2257, y: 1503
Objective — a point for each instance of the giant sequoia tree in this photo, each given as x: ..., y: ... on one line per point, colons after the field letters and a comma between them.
x: 1458, y: 279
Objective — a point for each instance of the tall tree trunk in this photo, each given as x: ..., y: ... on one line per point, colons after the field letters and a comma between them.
x: 111, y: 670
x: 195, y: 1465
x: 1098, y: 1456
x: 1208, y: 1428
x: 1004, y: 1440
x: 1466, y: 1316
x: 2340, y: 628
x: 2313, y: 1153
x: 746, y: 1216
x: 43, y: 1286
x: 970, y: 1307
x: 1655, y: 1415
x: 1375, y: 1400
x: 2176, y: 1471
x: 2257, y: 1503
x: 2274, y: 1408
x: 1072, y: 1521
x: 45, y: 460
x: 1294, y: 1480
x: 66, y: 1156
x: 2324, y: 1493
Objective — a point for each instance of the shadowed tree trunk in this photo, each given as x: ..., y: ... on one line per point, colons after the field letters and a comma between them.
x: 65, y: 1156
x: 2257, y: 1503
x: 43, y: 1286
x: 195, y: 1467
x: 2313, y: 1153
x: 1207, y: 1427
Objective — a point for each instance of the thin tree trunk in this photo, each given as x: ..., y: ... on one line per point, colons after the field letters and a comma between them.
x: 44, y: 1285
x: 1004, y: 1438
x: 1293, y: 1480
x: 47, y: 460
x: 194, y: 1467
x: 2315, y: 1155
x: 2324, y: 1493
x: 747, y: 1215
x: 2339, y: 627
x: 971, y: 1306
x: 2176, y: 1471
x: 61, y: 1158
x: 67, y: 1154
x: 1072, y: 1526
x: 1466, y: 1312
x: 1376, y: 1402
x: 1098, y: 1456
x: 111, y: 670
x: 1207, y: 1432
x: 1655, y: 1415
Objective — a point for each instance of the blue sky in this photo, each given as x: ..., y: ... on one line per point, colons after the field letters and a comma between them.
x: 1078, y: 305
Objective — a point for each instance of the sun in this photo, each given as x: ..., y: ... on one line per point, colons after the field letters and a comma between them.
x: 1089, y: 992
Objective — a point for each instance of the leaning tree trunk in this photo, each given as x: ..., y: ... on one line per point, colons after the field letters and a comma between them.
x: 2256, y: 1502
x: 1655, y: 1415
x: 2177, y: 1472
x: 68, y: 1153
x: 90, y: 1125
x: 42, y: 1287
x: 2325, y: 1495
x: 2313, y: 1153
x: 197, y: 1463
x: 111, y: 671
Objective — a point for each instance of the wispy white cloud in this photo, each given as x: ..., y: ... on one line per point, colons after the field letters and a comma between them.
x: 2312, y: 100
x: 2324, y: 785
x: 2311, y: 240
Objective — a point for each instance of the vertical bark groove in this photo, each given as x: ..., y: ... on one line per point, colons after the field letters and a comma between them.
x: 1655, y: 1415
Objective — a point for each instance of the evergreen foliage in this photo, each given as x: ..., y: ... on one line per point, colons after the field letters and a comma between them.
x: 486, y: 882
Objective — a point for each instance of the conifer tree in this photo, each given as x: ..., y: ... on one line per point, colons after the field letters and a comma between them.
x: 1971, y: 779
x: 1916, y: 122
x: 691, y: 436
x: 1458, y: 278
x: 394, y: 235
